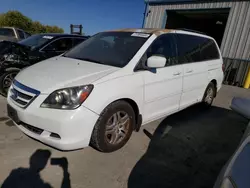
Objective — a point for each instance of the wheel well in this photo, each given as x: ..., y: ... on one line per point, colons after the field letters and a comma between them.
x: 215, y: 84
x: 138, y: 117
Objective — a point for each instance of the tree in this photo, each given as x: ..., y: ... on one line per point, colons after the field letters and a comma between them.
x: 37, y: 27
x: 17, y: 19
x: 53, y: 29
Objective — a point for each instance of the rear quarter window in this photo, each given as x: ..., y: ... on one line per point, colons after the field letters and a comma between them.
x: 209, y: 50
x: 195, y: 49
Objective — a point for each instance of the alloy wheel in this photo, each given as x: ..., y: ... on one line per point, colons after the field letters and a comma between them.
x: 209, y: 96
x: 117, y: 127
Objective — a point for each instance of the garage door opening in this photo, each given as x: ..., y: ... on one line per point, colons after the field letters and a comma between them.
x: 209, y: 21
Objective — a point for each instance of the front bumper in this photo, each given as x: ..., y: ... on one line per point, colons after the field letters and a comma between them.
x: 73, y: 126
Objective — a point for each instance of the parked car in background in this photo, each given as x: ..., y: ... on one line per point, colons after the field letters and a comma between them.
x: 15, y: 56
x: 235, y: 173
x: 106, y: 87
x: 13, y: 34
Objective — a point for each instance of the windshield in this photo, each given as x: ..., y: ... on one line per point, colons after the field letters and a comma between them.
x: 109, y: 48
x: 7, y: 32
x: 35, y: 41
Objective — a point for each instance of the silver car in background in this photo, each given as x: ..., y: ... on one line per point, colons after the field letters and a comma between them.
x: 13, y: 34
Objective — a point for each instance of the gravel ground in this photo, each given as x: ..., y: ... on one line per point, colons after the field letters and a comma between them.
x: 186, y: 149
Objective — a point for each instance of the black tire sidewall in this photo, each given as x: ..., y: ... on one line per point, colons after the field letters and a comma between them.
x: 2, y: 80
x: 100, y: 142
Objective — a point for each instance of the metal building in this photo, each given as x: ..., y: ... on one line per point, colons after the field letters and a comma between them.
x: 226, y: 20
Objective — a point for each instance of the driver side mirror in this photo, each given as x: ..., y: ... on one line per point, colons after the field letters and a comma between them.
x: 156, y: 62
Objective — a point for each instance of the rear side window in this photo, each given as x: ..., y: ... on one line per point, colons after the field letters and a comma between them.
x: 21, y: 34
x: 164, y: 46
x: 194, y: 49
x: 188, y: 48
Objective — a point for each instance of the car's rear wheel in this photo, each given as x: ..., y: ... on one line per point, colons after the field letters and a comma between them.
x: 6, y: 80
x: 114, y: 127
x: 209, y: 95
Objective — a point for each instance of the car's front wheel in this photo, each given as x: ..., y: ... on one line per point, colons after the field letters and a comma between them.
x: 114, y: 127
x: 6, y: 80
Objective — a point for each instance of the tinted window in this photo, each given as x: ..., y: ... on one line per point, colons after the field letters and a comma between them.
x: 26, y: 35
x: 36, y: 41
x: 59, y: 45
x: 164, y: 46
x: 8, y: 32
x: 209, y: 50
x: 188, y: 48
x: 109, y: 48
x: 77, y: 41
x: 21, y: 34
x: 194, y: 49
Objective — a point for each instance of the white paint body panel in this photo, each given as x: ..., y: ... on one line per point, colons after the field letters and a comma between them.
x: 61, y: 72
x: 157, y: 94
x: 72, y: 125
x: 195, y: 81
x: 162, y: 91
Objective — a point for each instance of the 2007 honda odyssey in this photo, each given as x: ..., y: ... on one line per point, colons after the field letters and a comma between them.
x: 100, y: 91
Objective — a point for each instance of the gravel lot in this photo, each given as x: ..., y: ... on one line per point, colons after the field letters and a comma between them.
x: 186, y: 149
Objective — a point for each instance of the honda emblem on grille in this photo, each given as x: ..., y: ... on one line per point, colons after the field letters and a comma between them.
x: 14, y: 94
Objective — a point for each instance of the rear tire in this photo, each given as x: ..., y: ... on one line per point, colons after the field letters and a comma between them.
x: 209, y: 95
x: 114, y: 127
x: 6, y: 80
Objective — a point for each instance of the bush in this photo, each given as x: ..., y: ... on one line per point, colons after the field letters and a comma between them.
x: 17, y: 19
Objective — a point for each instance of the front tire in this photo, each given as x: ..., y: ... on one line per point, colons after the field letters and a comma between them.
x: 209, y: 95
x: 114, y: 127
x: 6, y: 80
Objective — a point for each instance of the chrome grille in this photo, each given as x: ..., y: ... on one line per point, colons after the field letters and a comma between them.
x: 22, y: 95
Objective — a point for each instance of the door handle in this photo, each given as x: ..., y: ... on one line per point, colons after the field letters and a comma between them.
x: 177, y: 74
x: 189, y: 71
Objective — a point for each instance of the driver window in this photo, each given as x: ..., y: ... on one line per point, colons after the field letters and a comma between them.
x: 60, y: 45
x: 164, y: 46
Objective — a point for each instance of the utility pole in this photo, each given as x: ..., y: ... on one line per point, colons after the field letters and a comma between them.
x: 145, y: 14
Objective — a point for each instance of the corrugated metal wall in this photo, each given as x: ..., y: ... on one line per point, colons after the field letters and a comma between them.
x: 236, y: 40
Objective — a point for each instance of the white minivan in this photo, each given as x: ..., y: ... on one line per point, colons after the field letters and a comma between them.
x: 102, y: 90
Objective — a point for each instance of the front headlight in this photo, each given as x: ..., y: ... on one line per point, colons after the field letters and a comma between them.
x: 67, y: 98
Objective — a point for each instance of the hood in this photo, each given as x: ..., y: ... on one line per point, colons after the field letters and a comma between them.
x: 12, y: 47
x: 61, y: 72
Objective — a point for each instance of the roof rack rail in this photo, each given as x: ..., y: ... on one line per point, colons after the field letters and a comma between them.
x: 194, y: 31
